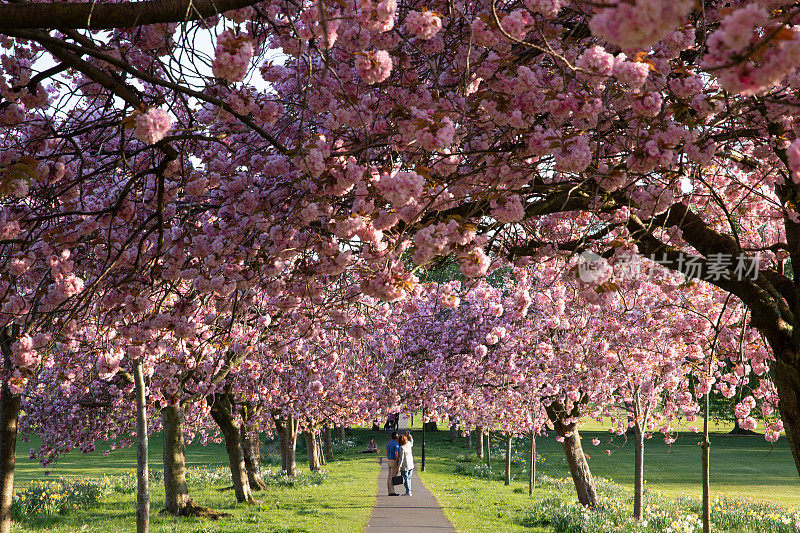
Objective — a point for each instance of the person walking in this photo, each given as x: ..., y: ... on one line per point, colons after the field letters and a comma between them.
x: 405, y: 461
x: 392, y: 448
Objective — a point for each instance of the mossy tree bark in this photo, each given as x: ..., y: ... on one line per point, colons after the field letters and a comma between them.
x: 532, y: 466
x: 251, y: 446
x: 288, y: 429
x: 576, y: 459
x: 9, y: 423
x: 488, y: 448
x: 508, y: 459
x: 328, y: 443
x: 222, y: 413
x: 176, y: 490
x: 142, y: 452
x: 313, y: 451
x: 638, y: 472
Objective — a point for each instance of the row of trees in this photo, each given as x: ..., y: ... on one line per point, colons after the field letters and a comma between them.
x: 543, y: 349
x: 176, y: 220
x: 538, y: 346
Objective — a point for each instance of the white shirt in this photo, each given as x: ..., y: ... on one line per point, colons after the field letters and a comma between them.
x: 406, y: 461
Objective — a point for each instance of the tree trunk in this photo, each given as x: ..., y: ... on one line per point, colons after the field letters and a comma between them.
x: 787, y: 383
x: 142, y: 451
x: 576, y: 459
x: 488, y: 448
x: 532, y: 469
x: 479, y: 441
x: 251, y: 446
x: 422, y: 467
x: 313, y: 452
x: 328, y: 443
x: 705, y: 446
x: 638, y: 472
x: 469, y: 439
x: 340, y: 433
x: 453, y: 432
x: 176, y: 491
x: 221, y: 412
x: 320, y: 453
x: 9, y: 418
x: 9, y: 422
x: 288, y: 428
x: 508, y: 459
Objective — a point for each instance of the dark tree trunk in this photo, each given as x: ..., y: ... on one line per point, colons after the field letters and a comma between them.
x: 469, y: 439
x: 508, y: 459
x: 288, y: 428
x: 9, y: 422
x: 222, y: 413
x: 313, y: 452
x: 328, y: 443
x: 488, y: 448
x: 576, y: 459
x: 9, y: 418
x: 787, y: 383
x: 340, y: 433
x: 532, y: 470
x: 479, y: 441
x: 176, y: 490
x: 453, y: 432
x: 251, y: 446
x: 638, y: 472
x: 142, y: 451
x: 739, y: 430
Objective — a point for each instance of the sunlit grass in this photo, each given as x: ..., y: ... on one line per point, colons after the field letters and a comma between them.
x: 343, y: 502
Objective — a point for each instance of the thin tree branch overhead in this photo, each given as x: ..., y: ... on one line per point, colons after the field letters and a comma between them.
x: 52, y: 15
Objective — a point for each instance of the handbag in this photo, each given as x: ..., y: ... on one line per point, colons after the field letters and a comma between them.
x: 397, y: 480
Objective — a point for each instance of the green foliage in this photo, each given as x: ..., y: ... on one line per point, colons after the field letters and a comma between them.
x: 662, y: 514
x: 220, y: 475
x: 271, y: 453
x: 741, y: 466
x: 329, y: 501
x: 58, y: 496
x: 480, y: 470
x: 447, y: 269
x: 470, y: 465
x: 344, y: 446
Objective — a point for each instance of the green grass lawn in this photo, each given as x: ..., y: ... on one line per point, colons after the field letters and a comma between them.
x: 343, y: 503
x: 740, y: 467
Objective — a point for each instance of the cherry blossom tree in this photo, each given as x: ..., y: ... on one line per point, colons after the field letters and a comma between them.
x: 315, y: 143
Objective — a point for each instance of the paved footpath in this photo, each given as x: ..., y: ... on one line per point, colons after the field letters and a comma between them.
x: 407, y: 514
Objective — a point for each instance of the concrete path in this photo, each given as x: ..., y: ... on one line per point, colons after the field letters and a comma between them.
x: 407, y: 514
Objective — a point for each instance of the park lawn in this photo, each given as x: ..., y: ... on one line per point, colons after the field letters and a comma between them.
x: 474, y: 504
x: 343, y: 502
x: 119, y: 461
x: 741, y: 466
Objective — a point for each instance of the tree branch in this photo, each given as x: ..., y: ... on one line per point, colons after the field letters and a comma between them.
x: 80, y: 15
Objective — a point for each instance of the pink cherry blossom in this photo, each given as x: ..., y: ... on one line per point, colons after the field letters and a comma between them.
x: 152, y: 125
x: 374, y: 67
x: 423, y: 24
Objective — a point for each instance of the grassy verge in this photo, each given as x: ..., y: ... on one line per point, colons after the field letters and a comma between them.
x: 741, y: 467
x: 343, y: 502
